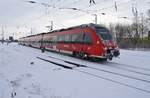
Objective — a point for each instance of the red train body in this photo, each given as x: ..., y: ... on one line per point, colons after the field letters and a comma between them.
x: 85, y: 41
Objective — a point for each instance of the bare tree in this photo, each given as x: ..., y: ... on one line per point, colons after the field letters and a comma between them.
x: 112, y: 30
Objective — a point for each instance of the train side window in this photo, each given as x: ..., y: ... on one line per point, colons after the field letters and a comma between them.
x: 54, y: 39
x: 87, y: 38
x: 67, y: 38
x: 50, y: 40
x: 80, y: 38
x: 61, y: 38
x: 77, y: 38
x: 74, y: 37
x: 58, y: 38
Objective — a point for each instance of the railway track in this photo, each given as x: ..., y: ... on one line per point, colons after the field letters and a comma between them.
x: 75, y: 65
x: 118, y: 66
x: 127, y: 66
x: 115, y: 66
x: 109, y: 65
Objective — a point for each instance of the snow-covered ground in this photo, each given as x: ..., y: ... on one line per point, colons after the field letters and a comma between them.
x: 21, y: 72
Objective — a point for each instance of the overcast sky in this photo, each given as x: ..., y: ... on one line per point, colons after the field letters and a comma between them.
x: 18, y: 16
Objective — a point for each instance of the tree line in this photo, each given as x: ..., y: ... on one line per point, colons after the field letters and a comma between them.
x: 135, y: 35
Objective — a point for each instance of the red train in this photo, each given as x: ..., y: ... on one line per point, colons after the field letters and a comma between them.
x: 85, y: 41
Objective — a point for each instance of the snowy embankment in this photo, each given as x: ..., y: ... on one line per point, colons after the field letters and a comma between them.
x: 23, y: 75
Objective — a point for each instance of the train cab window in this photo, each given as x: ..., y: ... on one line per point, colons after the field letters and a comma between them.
x: 104, y: 34
x: 87, y: 38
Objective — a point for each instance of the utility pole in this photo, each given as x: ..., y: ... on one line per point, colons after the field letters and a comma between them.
x: 136, y: 21
x: 51, y: 25
x: 46, y: 5
x: 2, y: 35
x: 95, y: 18
x: 142, y: 29
x: 135, y: 13
x: 31, y: 31
x: 13, y: 35
x: 148, y: 35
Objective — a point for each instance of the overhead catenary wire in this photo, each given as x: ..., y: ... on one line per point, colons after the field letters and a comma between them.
x: 81, y: 10
x: 88, y: 11
x: 74, y: 2
x: 55, y: 6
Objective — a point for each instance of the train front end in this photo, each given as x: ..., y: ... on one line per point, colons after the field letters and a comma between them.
x: 108, y: 45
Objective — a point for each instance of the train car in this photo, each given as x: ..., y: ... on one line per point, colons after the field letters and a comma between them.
x: 32, y: 41
x: 36, y: 40
x: 85, y: 41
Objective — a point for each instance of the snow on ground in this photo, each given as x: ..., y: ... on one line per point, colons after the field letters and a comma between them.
x: 21, y: 72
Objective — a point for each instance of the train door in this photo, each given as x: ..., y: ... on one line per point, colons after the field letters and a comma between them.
x: 87, y: 43
x: 54, y: 43
x: 41, y: 41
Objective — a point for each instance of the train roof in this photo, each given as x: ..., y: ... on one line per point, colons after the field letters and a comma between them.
x: 92, y: 25
x: 32, y: 35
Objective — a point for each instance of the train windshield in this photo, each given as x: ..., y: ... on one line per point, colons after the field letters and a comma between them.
x: 104, y: 34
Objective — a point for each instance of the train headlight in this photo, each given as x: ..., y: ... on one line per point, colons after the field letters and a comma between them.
x: 105, y: 48
x: 97, y: 42
x: 116, y: 48
x: 89, y: 48
x: 103, y: 41
x: 110, y: 48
